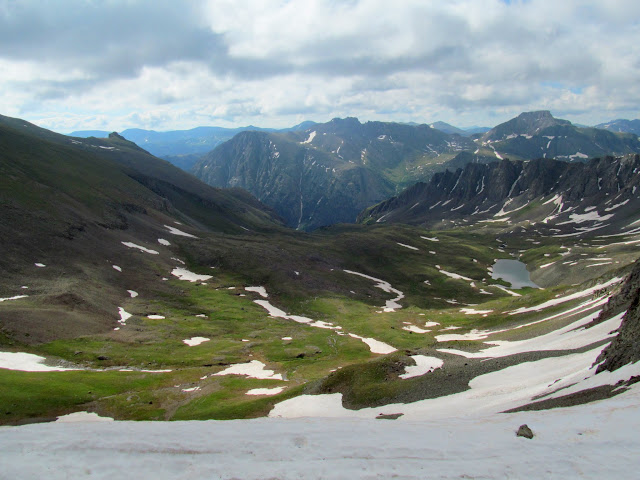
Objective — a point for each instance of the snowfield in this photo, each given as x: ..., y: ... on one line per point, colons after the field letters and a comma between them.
x: 593, y: 441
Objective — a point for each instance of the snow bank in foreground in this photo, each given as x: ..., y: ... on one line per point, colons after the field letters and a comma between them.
x: 592, y: 441
x: 490, y: 393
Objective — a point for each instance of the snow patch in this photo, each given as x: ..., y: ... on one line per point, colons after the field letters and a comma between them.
x: 567, y: 298
x: 375, y: 345
x: 423, y: 365
x: 391, y: 305
x: 260, y: 290
x: 175, y: 231
x: 184, y: 274
x: 193, y: 341
x: 17, y: 297
x: 471, y: 311
x: 407, y: 246
x: 252, y: 369
x: 265, y: 391
x: 312, y: 135
x: 414, y: 329
x: 144, y: 249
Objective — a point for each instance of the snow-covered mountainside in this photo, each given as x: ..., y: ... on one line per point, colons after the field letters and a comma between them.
x: 546, y: 197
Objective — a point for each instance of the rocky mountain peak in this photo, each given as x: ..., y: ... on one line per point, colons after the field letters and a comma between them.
x: 527, y: 123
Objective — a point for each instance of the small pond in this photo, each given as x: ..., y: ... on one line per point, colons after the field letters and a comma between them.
x: 513, y: 271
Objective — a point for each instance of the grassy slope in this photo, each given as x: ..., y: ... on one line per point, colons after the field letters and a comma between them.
x: 321, y: 291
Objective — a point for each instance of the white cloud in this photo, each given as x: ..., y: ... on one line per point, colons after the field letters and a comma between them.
x: 71, y: 65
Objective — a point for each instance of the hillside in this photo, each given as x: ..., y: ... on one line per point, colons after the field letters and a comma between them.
x: 72, y: 203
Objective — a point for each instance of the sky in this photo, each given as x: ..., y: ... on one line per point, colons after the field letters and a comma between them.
x: 168, y: 65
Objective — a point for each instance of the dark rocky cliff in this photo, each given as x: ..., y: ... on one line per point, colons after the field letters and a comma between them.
x: 625, y: 348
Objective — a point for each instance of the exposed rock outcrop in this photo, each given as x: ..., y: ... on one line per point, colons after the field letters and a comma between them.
x: 625, y: 348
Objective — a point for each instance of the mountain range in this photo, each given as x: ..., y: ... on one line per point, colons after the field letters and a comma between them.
x: 330, y: 172
x: 182, y: 147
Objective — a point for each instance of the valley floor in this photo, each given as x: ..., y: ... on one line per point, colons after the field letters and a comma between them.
x: 597, y: 440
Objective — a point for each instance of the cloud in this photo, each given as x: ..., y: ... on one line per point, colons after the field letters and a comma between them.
x: 267, y: 62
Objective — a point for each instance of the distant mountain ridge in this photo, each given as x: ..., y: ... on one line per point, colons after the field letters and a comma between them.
x: 187, y: 144
x: 447, y: 128
x: 329, y: 172
x: 540, y: 135
x: 621, y: 125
